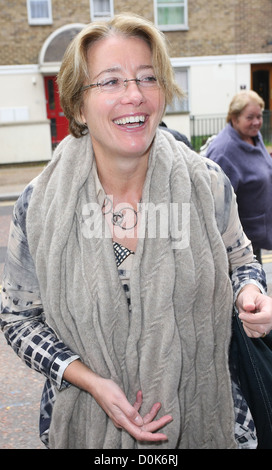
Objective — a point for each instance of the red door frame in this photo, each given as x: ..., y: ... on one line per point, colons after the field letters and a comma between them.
x: 59, y: 123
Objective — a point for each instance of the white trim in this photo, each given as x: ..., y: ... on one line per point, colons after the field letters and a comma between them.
x: 24, y: 123
x: 172, y: 27
x: 50, y: 68
x: 101, y: 17
x: 40, y: 21
x: 222, y: 59
x: 175, y: 61
x: 52, y: 36
x: 19, y: 69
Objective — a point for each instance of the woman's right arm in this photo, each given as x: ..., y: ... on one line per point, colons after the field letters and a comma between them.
x: 115, y: 404
x: 22, y: 319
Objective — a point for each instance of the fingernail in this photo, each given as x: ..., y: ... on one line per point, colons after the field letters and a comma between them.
x: 138, y: 420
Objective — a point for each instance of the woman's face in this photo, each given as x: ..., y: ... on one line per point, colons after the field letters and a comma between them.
x: 249, y: 122
x: 122, y: 122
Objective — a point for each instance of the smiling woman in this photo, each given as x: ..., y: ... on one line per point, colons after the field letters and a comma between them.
x: 117, y: 284
x: 112, y: 109
x: 75, y: 72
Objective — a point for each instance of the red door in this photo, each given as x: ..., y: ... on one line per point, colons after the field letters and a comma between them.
x: 59, y: 123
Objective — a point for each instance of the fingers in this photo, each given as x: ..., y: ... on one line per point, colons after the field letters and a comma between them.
x: 159, y: 423
x: 251, y: 333
x: 144, y: 429
x: 255, y: 312
x: 146, y: 432
x: 256, y: 324
x: 127, y: 417
x: 139, y: 400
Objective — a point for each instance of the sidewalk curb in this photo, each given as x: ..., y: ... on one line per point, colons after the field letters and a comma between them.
x: 9, y: 197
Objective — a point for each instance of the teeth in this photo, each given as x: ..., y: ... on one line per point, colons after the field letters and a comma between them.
x: 130, y: 120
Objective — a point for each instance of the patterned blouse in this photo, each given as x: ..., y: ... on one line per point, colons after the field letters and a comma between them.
x: 22, y: 319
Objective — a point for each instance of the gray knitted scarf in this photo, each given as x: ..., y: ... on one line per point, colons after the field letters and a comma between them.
x: 174, y: 344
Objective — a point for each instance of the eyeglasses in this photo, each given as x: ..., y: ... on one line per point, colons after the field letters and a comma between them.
x: 115, y: 84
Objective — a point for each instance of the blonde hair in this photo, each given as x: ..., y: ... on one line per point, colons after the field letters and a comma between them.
x: 241, y: 100
x: 73, y: 73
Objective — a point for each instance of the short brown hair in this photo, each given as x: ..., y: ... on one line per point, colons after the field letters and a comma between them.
x: 74, y: 68
x: 241, y: 100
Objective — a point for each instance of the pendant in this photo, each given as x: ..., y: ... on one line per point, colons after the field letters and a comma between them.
x: 123, y: 217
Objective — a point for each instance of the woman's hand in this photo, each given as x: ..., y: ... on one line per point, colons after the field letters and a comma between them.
x: 255, y: 311
x: 114, y: 402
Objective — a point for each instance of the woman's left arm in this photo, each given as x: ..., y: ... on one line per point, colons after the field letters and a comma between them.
x: 247, y: 275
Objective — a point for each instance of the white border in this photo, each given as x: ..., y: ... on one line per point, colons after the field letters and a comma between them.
x: 175, y: 61
x: 95, y: 18
x: 19, y: 69
x: 52, y: 36
x: 222, y: 59
x: 40, y: 21
x: 172, y: 27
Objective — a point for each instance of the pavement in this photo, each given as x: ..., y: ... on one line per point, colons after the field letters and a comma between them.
x: 14, y: 178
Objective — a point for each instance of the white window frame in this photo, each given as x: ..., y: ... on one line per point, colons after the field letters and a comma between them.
x: 181, y: 105
x: 42, y: 20
x: 96, y: 15
x: 172, y: 27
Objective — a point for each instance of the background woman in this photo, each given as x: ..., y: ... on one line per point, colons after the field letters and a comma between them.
x: 241, y: 153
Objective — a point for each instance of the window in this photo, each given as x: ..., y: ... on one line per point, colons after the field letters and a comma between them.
x: 180, y: 106
x: 171, y: 15
x: 101, y: 9
x: 39, y: 12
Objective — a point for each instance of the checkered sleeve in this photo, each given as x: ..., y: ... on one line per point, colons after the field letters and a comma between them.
x: 243, y: 267
x: 252, y: 273
x: 37, y: 345
x: 21, y: 318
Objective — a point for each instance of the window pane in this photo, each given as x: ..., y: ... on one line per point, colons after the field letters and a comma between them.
x: 51, y: 94
x: 182, y: 105
x: 170, y: 15
x: 39, y: 9
x: 101, y: 7
x: 53, y: 126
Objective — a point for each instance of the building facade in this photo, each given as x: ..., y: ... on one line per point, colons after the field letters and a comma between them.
x: 217, y: 48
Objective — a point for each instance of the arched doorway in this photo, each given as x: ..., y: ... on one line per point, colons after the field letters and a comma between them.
x: 50, y: 59
x: 261, y: 82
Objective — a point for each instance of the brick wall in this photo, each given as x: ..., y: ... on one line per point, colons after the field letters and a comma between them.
x: 253, y: 29
x: 21, y: 43
x: 216, y: 27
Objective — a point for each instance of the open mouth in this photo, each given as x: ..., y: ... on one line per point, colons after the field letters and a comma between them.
x: 131, y: 121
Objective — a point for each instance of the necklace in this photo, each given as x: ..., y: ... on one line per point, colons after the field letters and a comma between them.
x: 126, y: 218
